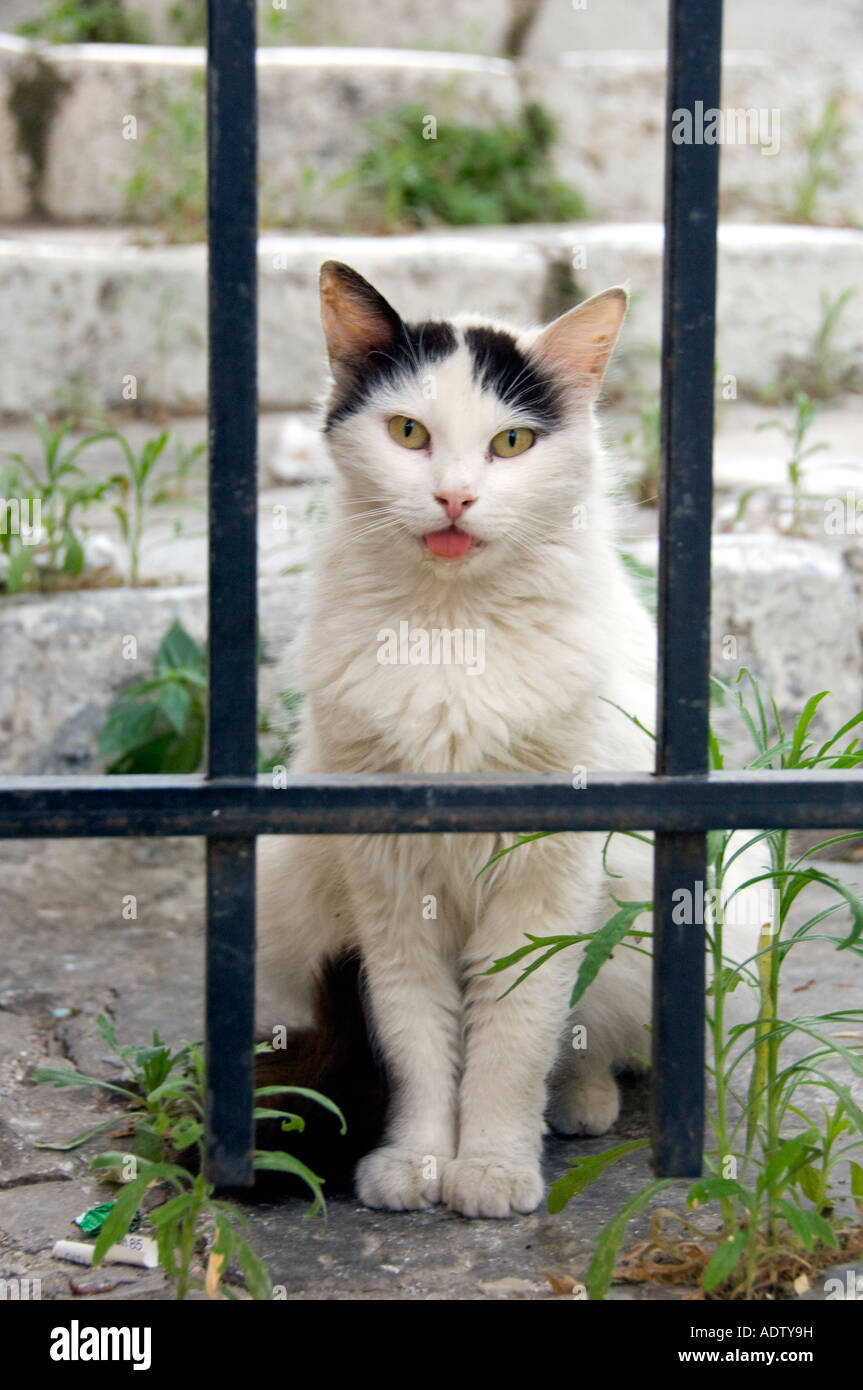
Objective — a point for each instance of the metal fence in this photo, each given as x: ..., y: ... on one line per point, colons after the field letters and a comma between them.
x: 231, y: 805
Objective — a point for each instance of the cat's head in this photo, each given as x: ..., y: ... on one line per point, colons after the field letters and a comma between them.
x: 464, y: 443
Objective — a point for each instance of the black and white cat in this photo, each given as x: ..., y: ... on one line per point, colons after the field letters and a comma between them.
x: 471, y: 499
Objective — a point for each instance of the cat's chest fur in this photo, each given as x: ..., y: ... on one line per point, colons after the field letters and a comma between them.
x: 452, y: 687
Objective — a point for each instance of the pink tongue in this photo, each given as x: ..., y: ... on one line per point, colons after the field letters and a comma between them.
x: 448, y: 543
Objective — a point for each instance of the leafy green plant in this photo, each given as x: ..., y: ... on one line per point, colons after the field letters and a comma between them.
x: 154, y: 1078
x: 795, y: 431
x: 169, y: 186
x: 466, y: 176
x: 57, y: 493
x: 164, y: 1102
x: 824, y: 159
x: 87, y: 21
x: 158, y: 725
x: 773, y: 1189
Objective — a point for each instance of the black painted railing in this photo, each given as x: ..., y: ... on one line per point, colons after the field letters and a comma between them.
x: 231, y: 805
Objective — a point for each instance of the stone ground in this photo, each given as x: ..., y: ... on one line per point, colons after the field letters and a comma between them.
x: 68, y: 955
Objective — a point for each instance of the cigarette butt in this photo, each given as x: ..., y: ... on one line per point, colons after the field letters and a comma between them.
x: 131, y: 1250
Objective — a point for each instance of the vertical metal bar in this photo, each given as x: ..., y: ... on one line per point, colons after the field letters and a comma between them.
x: 689, y: 301
x: 232, y: 284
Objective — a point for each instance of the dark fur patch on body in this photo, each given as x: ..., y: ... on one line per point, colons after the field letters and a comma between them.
x: 335, y: 1057
x: 415, y: 347
x: 501, y: 367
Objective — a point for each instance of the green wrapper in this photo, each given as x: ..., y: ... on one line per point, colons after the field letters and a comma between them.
x: 92, y: 1221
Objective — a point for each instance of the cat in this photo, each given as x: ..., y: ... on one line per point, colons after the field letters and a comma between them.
x: 471, y: 497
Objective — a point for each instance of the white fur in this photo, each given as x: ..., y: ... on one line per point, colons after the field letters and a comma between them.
x: 563, y: 627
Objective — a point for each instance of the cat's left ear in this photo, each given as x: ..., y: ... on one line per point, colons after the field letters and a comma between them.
x: 356, y: 319
x: 577, y: 346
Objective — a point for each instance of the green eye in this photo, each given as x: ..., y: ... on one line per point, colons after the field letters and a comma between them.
x: 410, y: 433
x: 512, y: 441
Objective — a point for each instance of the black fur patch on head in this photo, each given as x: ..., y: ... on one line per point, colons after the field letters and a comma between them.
x: 415, y: 346
x: 521, y: 383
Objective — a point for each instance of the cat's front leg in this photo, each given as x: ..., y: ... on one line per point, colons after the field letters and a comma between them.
x: 511, y: 1046
x: 416, y: 1011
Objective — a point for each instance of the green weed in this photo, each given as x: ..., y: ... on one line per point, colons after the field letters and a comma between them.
x: 164, y: 1097
x: 795, y: 431
x: 159, y: 725
x: 466, y: 176
x: 87, y: 21
x: 772, y: 1191
x: 169, y: 186
x: 57, y: 492
x: 824, y: 160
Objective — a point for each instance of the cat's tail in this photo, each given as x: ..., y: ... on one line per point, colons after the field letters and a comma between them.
x: 336, y: 1058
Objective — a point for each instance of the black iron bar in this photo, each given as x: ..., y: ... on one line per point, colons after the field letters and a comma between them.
x: 232, y: 230
x: 233, y: 808
x: 685, y: 515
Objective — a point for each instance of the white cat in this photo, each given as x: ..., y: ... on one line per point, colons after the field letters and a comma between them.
x: 470, y: 499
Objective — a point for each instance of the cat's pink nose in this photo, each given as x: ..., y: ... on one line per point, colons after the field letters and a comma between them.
x: 455, y: 501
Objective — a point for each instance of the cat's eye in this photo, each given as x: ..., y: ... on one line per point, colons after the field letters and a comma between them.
x: 513, y: 441
x: 410, y: 433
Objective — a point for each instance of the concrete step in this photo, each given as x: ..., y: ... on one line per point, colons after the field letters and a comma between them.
x: 295, y: 470
x: 79, y: 122
x: 538, y: 28
x: 785, y: 608
x: 95, y: 320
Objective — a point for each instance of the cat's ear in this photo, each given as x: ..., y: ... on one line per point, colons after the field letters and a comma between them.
x: 577, y: 346
x: 356, y: 319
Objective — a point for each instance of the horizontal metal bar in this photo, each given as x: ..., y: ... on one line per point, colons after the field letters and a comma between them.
x: 338, y: 805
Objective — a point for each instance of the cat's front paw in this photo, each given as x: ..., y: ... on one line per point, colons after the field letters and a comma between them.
x: 399, y: 1180
x: 586, y: 1106
x: 491, y: 1186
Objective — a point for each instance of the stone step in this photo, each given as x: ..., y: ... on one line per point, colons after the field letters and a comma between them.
x: 786, y: 608
x: 540, y: 28
x: 80, y: 128
x: 748, y: 451
x: 95, y: 320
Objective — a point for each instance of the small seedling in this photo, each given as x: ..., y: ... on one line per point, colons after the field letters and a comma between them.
x: 57, y: 493
x: 822, y: 372
x: 824, y: 158
x: 141, y: 488
x: 795, y: 431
